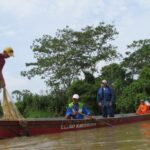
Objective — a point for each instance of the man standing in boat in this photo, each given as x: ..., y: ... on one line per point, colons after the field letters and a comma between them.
x: 7, y: 52
x: 77, y: 110
x: 106, y: 99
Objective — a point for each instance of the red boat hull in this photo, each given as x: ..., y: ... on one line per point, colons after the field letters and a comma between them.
x: 34, y: 127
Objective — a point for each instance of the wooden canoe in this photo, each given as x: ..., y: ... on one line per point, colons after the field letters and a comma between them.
x: 33, y: 127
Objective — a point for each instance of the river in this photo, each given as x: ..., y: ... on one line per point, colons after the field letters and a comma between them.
x: 123, y: 137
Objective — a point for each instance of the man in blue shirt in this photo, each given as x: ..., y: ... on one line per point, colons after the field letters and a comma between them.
x: 105, y: 99
x: 77, y: 110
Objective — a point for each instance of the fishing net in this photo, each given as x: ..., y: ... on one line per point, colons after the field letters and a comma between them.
x: 10, y: 111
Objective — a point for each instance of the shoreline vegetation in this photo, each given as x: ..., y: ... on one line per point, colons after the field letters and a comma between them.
x: 68, y: 63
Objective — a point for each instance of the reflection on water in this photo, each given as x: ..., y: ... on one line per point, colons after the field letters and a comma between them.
x: 123, y: 137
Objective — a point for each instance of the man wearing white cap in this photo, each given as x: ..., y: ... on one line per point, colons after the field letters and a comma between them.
x: 77, y: 110
x: 105, y: 99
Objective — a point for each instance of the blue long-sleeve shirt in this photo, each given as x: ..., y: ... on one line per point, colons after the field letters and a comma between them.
x: 105, y: 95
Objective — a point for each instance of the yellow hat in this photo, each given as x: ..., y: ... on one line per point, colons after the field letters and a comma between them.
x: 9, y: 51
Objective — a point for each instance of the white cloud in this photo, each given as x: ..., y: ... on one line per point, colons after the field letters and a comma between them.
x: 144, y: 3
x: 7, y: 33
x: 134, y: 25
x: 22, y: 8
x: 114, y: 9
x: 20, y: 83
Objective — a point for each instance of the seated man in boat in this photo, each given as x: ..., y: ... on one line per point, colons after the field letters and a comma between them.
x: 77, y: 110
x: 143, y: 108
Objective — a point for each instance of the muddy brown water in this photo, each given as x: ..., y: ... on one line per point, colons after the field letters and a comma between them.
x: 123, y: 137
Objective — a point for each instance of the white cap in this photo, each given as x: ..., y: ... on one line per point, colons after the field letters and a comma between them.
x: 147, y: 103
x: 75, y: 96
x: 104, y: 81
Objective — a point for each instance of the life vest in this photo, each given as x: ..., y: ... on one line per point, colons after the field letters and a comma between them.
x: 80, y: 106
x: 143, y: 109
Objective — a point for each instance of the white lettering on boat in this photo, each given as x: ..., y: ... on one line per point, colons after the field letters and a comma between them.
x: 77, y: 125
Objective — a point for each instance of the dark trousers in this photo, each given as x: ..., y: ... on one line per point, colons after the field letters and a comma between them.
x: 107, y: 110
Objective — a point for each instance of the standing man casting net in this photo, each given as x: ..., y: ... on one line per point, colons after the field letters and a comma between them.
x: 10, y: 112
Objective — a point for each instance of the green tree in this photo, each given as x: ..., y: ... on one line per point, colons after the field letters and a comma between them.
x: 116, y: 77
x: 63, y: 58
x: 132, y: 94
x: 89, y: 78
x: 145, y: 73
x: 113, y: 72
x: 139, y: 58
x: 17, y: 95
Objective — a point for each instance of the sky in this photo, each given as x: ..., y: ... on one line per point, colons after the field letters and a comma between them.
x: 22, y: 21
